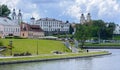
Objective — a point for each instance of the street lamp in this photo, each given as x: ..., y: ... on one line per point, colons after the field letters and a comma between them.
x: 10, y: 44
x: 62, y: 30
x: 99, y: 35
x: 37, y: 47
x: 58, y: 30
x: 50, y: 29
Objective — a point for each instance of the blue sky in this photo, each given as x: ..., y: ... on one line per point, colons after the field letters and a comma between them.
x: 107, y: 10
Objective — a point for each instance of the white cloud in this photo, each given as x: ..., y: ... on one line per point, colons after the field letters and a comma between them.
x: 34, y: 14
x: 28, y: 8
x: 100, y: 9
x: 10, y: 3
x: 103, y: 9
x: 74, y: 11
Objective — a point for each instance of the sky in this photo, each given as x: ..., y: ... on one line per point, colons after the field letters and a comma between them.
x: 107, y: 10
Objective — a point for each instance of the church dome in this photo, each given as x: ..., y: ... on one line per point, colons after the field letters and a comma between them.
x: 19, y: 14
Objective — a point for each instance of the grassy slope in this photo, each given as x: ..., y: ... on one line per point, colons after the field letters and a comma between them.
x: 30, y: 45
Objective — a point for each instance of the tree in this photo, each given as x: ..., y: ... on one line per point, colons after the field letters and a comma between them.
x: 4, y: 11
x: 98, y: 27
x: 110, y: 29
x: 71, y: 30
x: 102, y: 30
x: 83, y: 32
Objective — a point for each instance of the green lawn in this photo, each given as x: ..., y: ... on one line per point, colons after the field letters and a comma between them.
x: 103, y: 44
x: 52, y: 56
x: 116, y: 37
x: 30, y: 45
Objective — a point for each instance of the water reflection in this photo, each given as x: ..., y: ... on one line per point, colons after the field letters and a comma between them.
x: 109, y: 62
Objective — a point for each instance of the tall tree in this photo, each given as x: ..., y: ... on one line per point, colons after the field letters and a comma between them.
x: 71, y: 30
x: 83, y: 33
x: 102, y: 30
x: 110, y: 29
x: 4, y: 11
x: 97, y: 27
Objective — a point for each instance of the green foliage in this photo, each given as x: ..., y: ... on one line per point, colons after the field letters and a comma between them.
x: 110, y: 29
x: 13, y: 37
x: 116, y: 37
x: 102, y: 29
x: 71, y: 30
x: 63, y: 36
x: 4, y: 11
x: 95, y: 29
x: 83, y: 32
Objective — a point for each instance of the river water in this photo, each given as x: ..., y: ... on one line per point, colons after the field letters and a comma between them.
x: 107, y: 62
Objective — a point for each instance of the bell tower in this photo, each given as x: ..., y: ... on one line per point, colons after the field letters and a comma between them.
x: 88, y: 17
x: 32, y: 20
x: 14, y: 17
x: 82, y: 19
x: 19, y: 17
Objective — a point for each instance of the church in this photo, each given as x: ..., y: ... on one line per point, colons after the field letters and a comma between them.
x: 17, y: 18
x: 83, y: 20
x: 10, y: 27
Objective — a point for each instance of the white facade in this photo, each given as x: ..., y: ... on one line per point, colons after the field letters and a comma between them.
x: 17, y: 18
x: 8, y: 27
x: 83, y: 20
x: 49, y: 24
x: 117, y: 29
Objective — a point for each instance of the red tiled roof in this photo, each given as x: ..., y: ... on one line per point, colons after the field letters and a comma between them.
x: 28, y: 27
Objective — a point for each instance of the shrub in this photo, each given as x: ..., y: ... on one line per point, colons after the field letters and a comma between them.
x: 23, y: 54
x: 13, y: 37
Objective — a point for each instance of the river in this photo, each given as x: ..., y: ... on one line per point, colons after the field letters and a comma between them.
x: 107, y: 62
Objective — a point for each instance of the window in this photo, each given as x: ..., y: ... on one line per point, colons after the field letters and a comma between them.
x: 10, y: 34
x: 23, y: 34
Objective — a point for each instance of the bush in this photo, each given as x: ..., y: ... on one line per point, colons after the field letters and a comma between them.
x: 64, y: 36
x: 8, y: 37
x: 23, y: 54
x: 17, y: 37
x: 57, y: 52
x: 13, y: 37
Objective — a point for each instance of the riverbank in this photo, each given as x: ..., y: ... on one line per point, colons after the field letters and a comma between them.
x: 101, y: 47
x: 50, y: 57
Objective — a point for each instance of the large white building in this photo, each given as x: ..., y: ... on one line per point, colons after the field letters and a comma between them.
x: 8, y: 28
x: 52, y: 26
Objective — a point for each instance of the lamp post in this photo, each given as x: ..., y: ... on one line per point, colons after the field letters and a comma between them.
x: 58, y: 31
x: 99, y: 36
x: 37, y: 47
x: 62, y: 28
x: 49, y: 30
x: 10, y: 44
